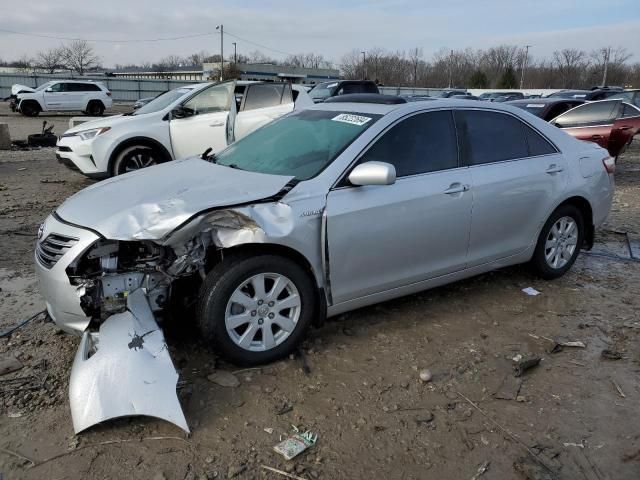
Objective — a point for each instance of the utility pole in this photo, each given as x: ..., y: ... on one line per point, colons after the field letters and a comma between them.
x: 364, y: 65
x: 607, y: 54
x: 450, y: 68
x: 235, y: 54
x: 221, y: 28
x: 524, y: 65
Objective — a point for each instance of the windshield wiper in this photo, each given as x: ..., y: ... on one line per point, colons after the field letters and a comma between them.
x: 205, y: 155
x: 234, y: 165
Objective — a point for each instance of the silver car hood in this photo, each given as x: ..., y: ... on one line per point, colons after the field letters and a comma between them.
x: 150, y: 203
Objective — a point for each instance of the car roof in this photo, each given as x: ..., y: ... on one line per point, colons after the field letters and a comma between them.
x: 382, y: 109
x: 544, y: 100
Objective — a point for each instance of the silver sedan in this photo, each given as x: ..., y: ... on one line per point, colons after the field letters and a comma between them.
x: 326, y: 210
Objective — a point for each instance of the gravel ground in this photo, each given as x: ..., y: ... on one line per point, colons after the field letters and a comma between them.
x: 576, y: 413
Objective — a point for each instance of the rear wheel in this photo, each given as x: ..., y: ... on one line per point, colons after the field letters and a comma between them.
x: 95, y: 108
x: 134, y: 158
x: 256, y: 309
x: 559, y: 243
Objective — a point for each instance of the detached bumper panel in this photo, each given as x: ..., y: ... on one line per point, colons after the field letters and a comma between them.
x: 124, y: 370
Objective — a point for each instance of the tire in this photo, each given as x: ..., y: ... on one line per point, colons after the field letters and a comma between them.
x: 95, y: 108
x: 215, y: 307
x: 564, y: 227
x: 135, y: 158
x: 30, y: 109
x: 40, y: 140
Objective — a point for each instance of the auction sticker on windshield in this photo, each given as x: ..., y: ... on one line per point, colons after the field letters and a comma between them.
x: 352, y: 119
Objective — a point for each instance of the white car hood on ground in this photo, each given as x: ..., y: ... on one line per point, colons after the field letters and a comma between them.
x: 150, y: 203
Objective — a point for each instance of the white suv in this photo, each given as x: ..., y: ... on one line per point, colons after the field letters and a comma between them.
x: 92, y: 98
x: 179, y: 123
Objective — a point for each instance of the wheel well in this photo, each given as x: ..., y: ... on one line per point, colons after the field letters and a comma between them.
x: 216, y: 256
x: 587, y: 214
x: 32, y: 100
x: 95, y: 101
x: 141, y: 141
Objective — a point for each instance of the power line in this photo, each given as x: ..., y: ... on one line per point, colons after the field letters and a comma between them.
x: 141, y: 40
x: 102, y: 40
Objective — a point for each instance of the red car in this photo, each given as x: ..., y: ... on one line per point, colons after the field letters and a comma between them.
x: 610, y: 123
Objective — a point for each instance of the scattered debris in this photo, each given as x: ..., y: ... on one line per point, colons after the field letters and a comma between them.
x: 524, y: 364
x: 235, y: 470
x: 511, y: 435
x: 269, y: 430
x: 532, y: 470
x: 9, y: 364
x: 283, y: 408
x: 10, y: 330
x: 296, y: 444
x: 46, y: 180
x: 426, y: 375
x: 283, y: 473
x: 532, y: 292
x: 611, y: 354
x: 559, y: 344
x: 224, y: 379
x: 578, y: 445
x: 509, y: 388
x: 17, y: 455
x: 481, y: 470
x: 620, y: 392
x: 22, y: 169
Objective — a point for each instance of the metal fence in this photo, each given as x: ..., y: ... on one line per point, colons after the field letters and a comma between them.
x: 123, y: 90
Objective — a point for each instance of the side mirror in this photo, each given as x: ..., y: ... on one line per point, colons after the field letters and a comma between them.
x: 48, y: 90
x: 181, y: 112
x: 373, y: 173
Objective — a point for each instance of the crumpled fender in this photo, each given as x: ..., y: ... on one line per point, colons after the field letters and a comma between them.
x: 125, y: 369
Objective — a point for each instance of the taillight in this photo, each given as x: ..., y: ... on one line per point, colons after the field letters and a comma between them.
x: 609, y: 164
x: 109, y: 94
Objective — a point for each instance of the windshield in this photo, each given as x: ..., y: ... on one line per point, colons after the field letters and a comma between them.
x: 322, y: 90
x: 43, y: 86
x: 163, y: 101
x: 300, y: 144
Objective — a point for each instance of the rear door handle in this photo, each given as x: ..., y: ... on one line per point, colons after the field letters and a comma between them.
x: 456, y: 188
x: 554, y: 169
x: 216, y: 124
x: 625, y: 127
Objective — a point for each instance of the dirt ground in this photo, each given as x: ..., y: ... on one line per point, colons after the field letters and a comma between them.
x: 576, y: 413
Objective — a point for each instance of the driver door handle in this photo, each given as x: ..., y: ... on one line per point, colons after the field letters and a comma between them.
x: 216, y: 124
x: 456, y: 188
x: 554, y: 169
x: 596, y: 137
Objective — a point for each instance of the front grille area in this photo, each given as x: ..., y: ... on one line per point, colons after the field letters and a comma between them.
x: 52, y: 248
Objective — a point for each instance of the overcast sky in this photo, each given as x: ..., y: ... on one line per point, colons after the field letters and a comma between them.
x: 328, y: 27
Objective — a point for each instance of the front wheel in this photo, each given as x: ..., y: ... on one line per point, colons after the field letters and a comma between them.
x: 135, y: 158
x: 256, y: 309
x: 559, y: 243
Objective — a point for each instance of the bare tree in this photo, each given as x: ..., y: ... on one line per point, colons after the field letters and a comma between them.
x: 24, y: 63
x: 415, y: 56
x: 50, y: 60
x: 571, y: 64
x: 78, y: 55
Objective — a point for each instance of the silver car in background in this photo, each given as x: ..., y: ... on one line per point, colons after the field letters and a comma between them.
x: 326, y: 210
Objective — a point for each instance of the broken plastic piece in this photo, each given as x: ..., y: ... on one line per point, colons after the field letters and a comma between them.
x: 532, y: 292
x: 124, y: 369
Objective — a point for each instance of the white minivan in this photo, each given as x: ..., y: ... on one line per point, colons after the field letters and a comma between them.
x: 179, y: 123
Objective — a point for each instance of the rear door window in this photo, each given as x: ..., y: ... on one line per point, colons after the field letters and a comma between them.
x: 538, y: 145
x: 263, y: 95
x: 590, y: 114
x: 489, y: 137
x: 422, y: 143
x: 629, y: 111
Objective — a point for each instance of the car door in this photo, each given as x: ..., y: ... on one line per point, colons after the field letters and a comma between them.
x: 592, y: 121
x: 517, y: 177
x: 55, y: 96
x: 262, y: 103
x: 623, y: 130
x: 75, y: 96
x: 388, y: 236
x: 204, y: 123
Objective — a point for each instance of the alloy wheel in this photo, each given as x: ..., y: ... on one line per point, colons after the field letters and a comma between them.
x: 138, y: 160
x: 561, y: 242
x: 262, y: 312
